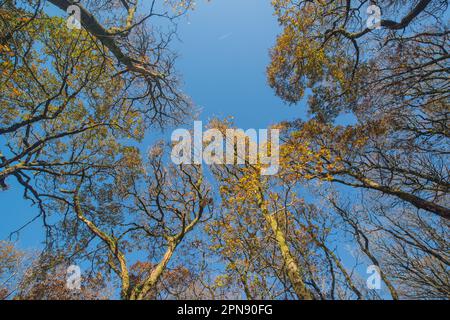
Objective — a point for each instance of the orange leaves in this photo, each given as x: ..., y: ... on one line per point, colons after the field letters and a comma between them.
x: 5, y: 49
x: 305, y: 57
x: 312, y: 151
x: 15, y: 91
x: 298, y: 57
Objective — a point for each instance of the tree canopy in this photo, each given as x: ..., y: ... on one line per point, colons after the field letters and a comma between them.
x: 77, y: 104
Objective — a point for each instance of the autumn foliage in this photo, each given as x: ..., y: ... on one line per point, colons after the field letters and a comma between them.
x: 76, y: 105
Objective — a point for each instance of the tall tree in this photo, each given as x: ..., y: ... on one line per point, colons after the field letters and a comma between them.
x: 66, y: 105
x: 393, y: 79
x: 134, y: 208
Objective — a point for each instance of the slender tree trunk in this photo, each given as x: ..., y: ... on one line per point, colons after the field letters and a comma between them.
x: 292, y: 268
x: 140, y: 292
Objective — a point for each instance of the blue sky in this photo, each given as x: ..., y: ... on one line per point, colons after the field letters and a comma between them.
x: 224, y: 54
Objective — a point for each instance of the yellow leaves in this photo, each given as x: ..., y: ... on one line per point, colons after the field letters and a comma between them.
x: 221, y: 281
x: 5, y: 49
x: 224, y: 189
x: 91, y: 120
x: 313, y: 151
x: 5, y: 71
x: 232, y: 265
x: 15, y: 91
x: 295, y: 59
x: 303, y: 57
x: 360, y: 142
x: 274, y: 196
x: 85, y: 103
x: 216, y: 247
